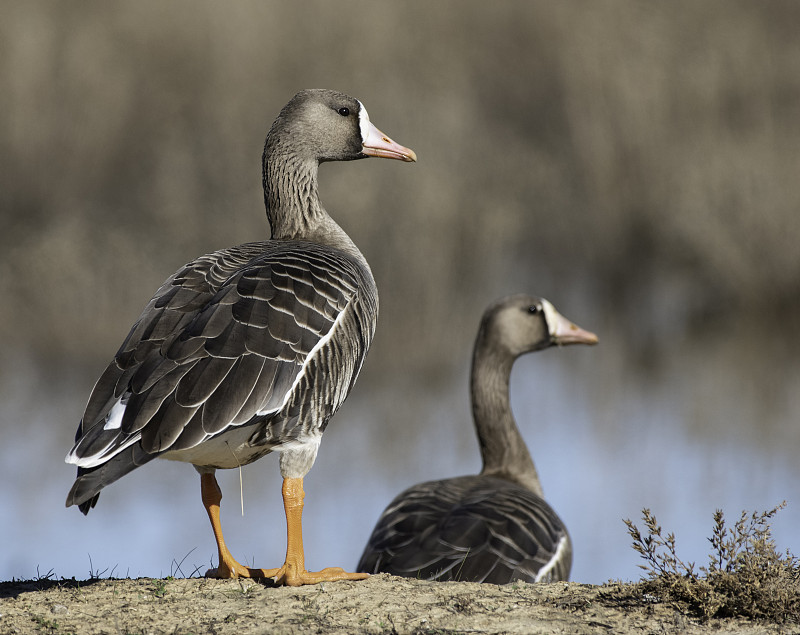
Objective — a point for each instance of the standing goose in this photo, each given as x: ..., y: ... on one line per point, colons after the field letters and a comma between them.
x: 249, y: 349
x: 494, y: 527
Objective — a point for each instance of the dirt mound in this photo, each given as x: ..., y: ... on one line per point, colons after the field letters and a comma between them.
x: 381, y: 604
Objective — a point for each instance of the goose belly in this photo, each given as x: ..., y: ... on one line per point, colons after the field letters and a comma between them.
x: 225, y: 451
x: 234, y: 448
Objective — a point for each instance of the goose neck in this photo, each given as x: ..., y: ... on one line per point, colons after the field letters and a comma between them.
x: 294, y: 210
x: 503, y: 450
x: 291, y: 197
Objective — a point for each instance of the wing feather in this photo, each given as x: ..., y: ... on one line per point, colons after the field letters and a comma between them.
x: 222, y: 406
x: 166, y: 425
x: 476, y: 529
x: 143, y: 406
x: 224, y: 340
x: 104, y: 396
x: 262, y: 393
x: 205, y: 377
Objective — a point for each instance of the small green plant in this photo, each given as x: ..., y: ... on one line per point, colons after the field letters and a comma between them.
x: 43, y: 622
x: 161, y: 588
x: 746, y: 576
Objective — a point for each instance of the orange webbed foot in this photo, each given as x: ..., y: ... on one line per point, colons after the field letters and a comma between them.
x: 290, y: 576
x: 229, y: 568
x: 287, y: 575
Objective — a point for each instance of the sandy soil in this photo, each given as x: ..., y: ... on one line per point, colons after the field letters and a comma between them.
x: 381, y: 604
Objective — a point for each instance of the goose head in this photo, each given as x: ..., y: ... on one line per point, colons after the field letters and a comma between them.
x: 326, y: 125
x: 522, y: 324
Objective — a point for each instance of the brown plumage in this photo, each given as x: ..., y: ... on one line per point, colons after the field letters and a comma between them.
x: 248, y: 349
x: 496, y: 526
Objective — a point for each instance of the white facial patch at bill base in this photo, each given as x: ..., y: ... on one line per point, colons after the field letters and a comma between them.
x: 363, y: 122
x: 552, y: 317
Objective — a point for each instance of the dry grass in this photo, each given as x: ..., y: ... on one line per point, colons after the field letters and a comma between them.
x: 610, y: 147
x: 746, y: 575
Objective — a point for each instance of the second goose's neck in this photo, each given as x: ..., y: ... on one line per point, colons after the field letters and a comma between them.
x: 503, y: 449
x: 293, y: 207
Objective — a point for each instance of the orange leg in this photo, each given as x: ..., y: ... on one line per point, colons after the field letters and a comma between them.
x: 293, y: 572
x: 228, y: 567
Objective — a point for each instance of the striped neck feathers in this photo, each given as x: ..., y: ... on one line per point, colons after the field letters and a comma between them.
x: 294, y: 210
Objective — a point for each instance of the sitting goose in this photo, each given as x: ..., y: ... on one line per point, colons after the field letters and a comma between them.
x: 494, y: 527
x: 249, y: 349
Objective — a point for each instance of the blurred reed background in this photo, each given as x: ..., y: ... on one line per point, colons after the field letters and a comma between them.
x: 637, y: 163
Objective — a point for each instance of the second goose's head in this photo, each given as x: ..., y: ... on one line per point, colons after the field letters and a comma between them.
x: 521, y: 324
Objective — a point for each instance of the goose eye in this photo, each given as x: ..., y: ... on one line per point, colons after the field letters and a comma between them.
x: 533, y: 309
x: 344, y: 112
